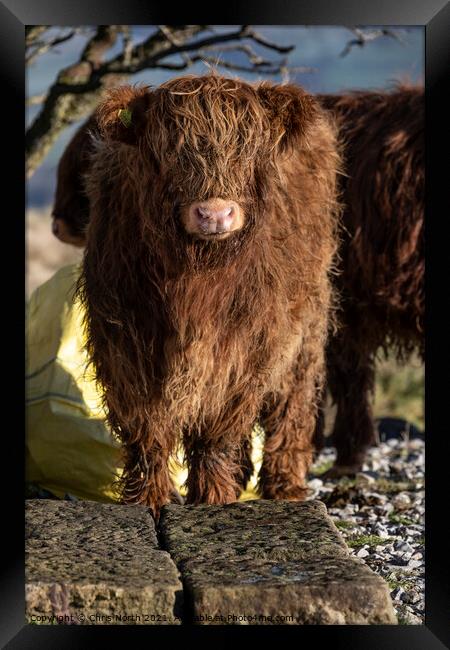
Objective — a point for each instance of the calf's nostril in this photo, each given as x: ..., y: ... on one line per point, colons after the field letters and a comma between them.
x: 214, y: 215
x: 203, y: 213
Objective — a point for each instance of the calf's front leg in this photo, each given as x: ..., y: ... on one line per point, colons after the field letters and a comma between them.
x: 218, y: 461
x: 146, y: 452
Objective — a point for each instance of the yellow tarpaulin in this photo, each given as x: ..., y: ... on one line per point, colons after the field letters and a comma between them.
x: 70, y: 450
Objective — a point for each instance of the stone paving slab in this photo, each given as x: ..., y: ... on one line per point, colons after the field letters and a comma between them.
x: 272, y: 530
x: 97, y: 563
x: 263, y: 562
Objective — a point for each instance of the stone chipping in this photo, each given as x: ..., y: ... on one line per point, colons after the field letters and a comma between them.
x: 381, y: 515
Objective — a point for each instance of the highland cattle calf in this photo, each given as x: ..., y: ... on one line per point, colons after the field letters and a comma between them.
x: 70, y: 214
x: 382, y: 131
x: 382, y: 255
x: 205, y: 281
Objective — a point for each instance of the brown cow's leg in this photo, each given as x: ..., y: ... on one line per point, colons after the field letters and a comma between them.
x: 219, y: 466
x: 351, y: 381
x: 146, y: 477
x: 212, y: 472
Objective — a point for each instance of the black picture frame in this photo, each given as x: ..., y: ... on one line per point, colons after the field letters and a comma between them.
x: 434, y: 15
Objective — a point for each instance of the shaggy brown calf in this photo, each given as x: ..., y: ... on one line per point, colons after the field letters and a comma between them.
x: 206, y: 281
x: 381, y: 281
x: 383, y: 301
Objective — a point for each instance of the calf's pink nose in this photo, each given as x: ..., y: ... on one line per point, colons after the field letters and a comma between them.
x: 215, y: 216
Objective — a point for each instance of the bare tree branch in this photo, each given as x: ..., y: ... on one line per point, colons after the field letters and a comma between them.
x: 62, y: 108
x: 283, y: 49
x: 218, y: 63
x: 36, y: 99
x: 127, y: 43
x: 173, y: 40
x: 253, y: 57
x: 79, y: 87
x: 138, y: 63
x: 40, y: 47
x: 363, y: 37
x: 104, y: 38
x: 32, y: 32
x: 274, y: 69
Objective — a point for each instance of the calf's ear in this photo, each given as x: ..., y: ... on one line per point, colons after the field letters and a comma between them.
x: 291, y: 112
x: 121, y: 115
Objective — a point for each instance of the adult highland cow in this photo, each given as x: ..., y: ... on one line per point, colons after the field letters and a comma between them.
x: 206, y: 280
x: 381, y: 281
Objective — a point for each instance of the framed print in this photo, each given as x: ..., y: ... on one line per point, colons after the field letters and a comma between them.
x: 226, y: 316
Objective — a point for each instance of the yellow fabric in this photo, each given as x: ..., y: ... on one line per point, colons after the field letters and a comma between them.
x: 70, y: 450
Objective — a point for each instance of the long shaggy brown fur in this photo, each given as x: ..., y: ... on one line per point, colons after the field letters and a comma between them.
x: 196, y: 340
x: 381, y: 280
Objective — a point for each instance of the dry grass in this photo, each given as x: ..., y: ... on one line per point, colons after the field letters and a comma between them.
x: 400, y: 390
x: 45, y: 254
x: 399, y: 393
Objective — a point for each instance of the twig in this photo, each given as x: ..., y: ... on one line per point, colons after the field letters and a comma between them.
x: 363, y: 37
x: 43, y: 47
x: 283, y: 49
x: 36, y: 99
x: 127, y: 43
x: 32, y: 32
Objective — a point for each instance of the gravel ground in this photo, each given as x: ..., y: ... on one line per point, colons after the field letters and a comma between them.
x: 380, y: 513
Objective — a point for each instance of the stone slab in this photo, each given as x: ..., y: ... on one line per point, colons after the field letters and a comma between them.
x: 271, y: 562
x: 97, y: 564
x: 260, y: 529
